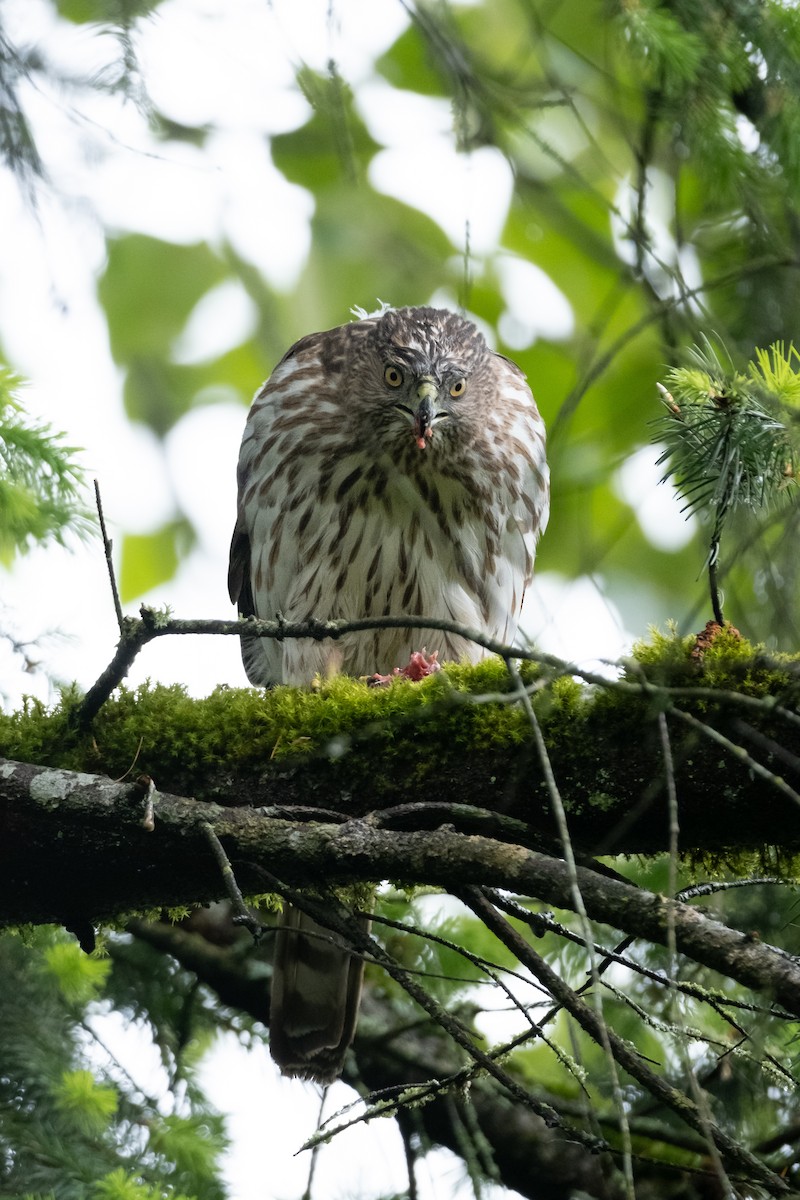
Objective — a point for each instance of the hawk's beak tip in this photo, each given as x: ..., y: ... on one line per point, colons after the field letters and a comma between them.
x: 427, y: 395
x: 422, y: 432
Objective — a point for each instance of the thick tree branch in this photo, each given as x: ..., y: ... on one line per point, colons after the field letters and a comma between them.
x: 459, y: 749
x: 73, y: 845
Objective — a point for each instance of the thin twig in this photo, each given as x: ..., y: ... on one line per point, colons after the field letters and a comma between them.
x: 312, y: 1166
x: 700, y: 1099
x: 713, y: 581
x: 627, y: 1058
x: 492, y: 970
x: 420, y: 814
x: 557, y: 807
x: 738, y: 752
x: 411, y: 1158
x: 241, y: 913
x: 155, y: 624
x: 108, y: 546
x: 712, y: 886
x: 539, y: 924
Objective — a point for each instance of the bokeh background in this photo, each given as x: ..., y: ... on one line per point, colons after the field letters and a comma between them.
x: 212, y: 182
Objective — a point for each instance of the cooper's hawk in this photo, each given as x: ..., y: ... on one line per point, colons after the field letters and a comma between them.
x: 392, y: 466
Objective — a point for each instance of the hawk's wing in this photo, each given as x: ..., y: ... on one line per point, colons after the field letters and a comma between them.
x: 522, y: 493
x: 261, y: 500
x: 264, y: 559
x: 261, y: 663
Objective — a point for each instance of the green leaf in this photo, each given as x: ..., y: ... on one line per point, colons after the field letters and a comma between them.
x: 772, y: 370
x: 569, y: 238
x: 333, y: 146
x: 148, y: 290
x: 724, y: 450
x: 192, y: 1143
x: 663, y: 48
x: 407, y: 64
x: 159, y: 393
x: 100, y: 11
x: 121, y: 1185
x: 392, y: 252
x: 152, y: 558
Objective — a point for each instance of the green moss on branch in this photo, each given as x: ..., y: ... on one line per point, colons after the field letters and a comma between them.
x: 456, y: 740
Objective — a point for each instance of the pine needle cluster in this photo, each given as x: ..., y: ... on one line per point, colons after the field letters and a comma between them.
x: 727, y: 435
x: 41, y: 484
x: 74, y: 1125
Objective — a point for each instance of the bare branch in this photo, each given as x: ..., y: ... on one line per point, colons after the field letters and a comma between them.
x: 632, y: 1062
x: 332, y: 915
x: 108, y: 546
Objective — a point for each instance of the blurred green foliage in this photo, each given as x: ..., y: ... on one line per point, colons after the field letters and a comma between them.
x: 653, y: 151
x: 73, y: 1122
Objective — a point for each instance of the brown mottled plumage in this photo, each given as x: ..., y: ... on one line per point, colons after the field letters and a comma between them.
x: 392, y: 466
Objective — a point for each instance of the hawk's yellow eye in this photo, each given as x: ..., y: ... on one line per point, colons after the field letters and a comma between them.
x: 393, y: 376
x: 458, y: 388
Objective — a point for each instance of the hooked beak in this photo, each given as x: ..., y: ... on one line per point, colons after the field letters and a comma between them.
x: 427, y: 394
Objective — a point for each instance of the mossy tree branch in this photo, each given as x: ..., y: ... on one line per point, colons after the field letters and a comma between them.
x: 457, y: 748
x: 439, y: 783
x: 76, y: 848
x: 137, y: 632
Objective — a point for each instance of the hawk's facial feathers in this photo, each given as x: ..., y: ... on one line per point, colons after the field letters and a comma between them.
x: 424, y: 376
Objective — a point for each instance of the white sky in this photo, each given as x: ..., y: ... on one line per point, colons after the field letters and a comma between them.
x: 231, y: 65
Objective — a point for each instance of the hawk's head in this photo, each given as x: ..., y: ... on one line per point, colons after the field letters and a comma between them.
x: 426, y: 375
